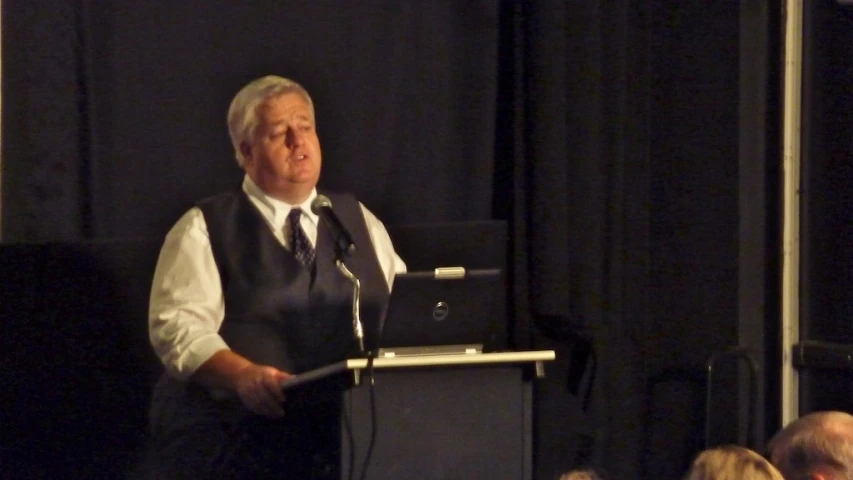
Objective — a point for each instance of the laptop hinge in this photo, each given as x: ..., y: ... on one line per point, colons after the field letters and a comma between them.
x: 449, y: 273
x: 472, y: 349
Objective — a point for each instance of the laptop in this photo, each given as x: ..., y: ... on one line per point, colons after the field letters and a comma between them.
x: 444, y: 311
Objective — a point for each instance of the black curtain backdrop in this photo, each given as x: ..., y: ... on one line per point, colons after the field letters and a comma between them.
x: 607, y: 134
x: 405, y: 97
x: 826, y: 306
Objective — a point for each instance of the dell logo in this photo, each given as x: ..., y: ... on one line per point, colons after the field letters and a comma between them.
x: 440, y: 311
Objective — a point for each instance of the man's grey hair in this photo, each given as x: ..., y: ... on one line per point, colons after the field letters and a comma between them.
x: 820, y: 442
x: 243, y: 112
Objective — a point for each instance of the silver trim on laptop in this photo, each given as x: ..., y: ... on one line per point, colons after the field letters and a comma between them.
x: 469, y: 349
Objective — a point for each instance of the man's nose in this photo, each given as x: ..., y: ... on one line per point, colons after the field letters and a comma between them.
x: 295, y: 138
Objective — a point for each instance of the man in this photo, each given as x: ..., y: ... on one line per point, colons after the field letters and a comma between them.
x: 817, y: 446
x: 246, y: 294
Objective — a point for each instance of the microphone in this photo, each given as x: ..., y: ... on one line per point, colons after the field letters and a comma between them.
x: 322, y: 207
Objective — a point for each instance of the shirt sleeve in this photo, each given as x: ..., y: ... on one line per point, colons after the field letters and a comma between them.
x: 389, y: 261
x: 186, y: 306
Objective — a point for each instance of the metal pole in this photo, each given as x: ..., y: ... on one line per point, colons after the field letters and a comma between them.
x: 791, y: 209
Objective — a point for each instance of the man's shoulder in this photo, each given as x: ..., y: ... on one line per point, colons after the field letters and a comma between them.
x: 345, y: 204
x: 335, y: 195
x: 342, y: 201
x: 218, y: 209
x: 221, y: 198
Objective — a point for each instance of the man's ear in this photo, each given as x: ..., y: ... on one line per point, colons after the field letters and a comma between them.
x: 246, y: 151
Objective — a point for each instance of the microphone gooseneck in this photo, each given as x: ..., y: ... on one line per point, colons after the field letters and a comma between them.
x: 344, y: 246
x: 357, y: 327
x: 322, y: 207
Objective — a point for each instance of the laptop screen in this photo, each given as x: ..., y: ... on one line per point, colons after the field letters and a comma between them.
x: 444, y: 311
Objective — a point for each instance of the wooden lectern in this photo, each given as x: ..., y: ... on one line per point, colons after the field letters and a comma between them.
x: 460, y: 416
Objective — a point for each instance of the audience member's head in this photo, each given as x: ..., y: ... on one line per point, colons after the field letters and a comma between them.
x: 584, y: 474
x: 731, y: 462
x: 817, y: 446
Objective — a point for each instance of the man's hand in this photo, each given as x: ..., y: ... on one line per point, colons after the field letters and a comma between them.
x: 259, y: 387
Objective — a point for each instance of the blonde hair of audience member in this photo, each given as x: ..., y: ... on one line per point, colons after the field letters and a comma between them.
x: 581, y: 474
x: 817, y: 446
x: 731, y: 462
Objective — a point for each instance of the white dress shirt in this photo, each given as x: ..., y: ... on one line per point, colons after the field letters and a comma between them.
x: 187, y: 306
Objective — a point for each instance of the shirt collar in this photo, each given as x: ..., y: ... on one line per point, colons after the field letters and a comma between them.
x: 275, y: 210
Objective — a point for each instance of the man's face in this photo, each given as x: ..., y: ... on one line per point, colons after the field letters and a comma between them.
x: 284, y: 159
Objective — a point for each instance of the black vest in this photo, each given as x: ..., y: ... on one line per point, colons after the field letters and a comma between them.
x: 279, y: 313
